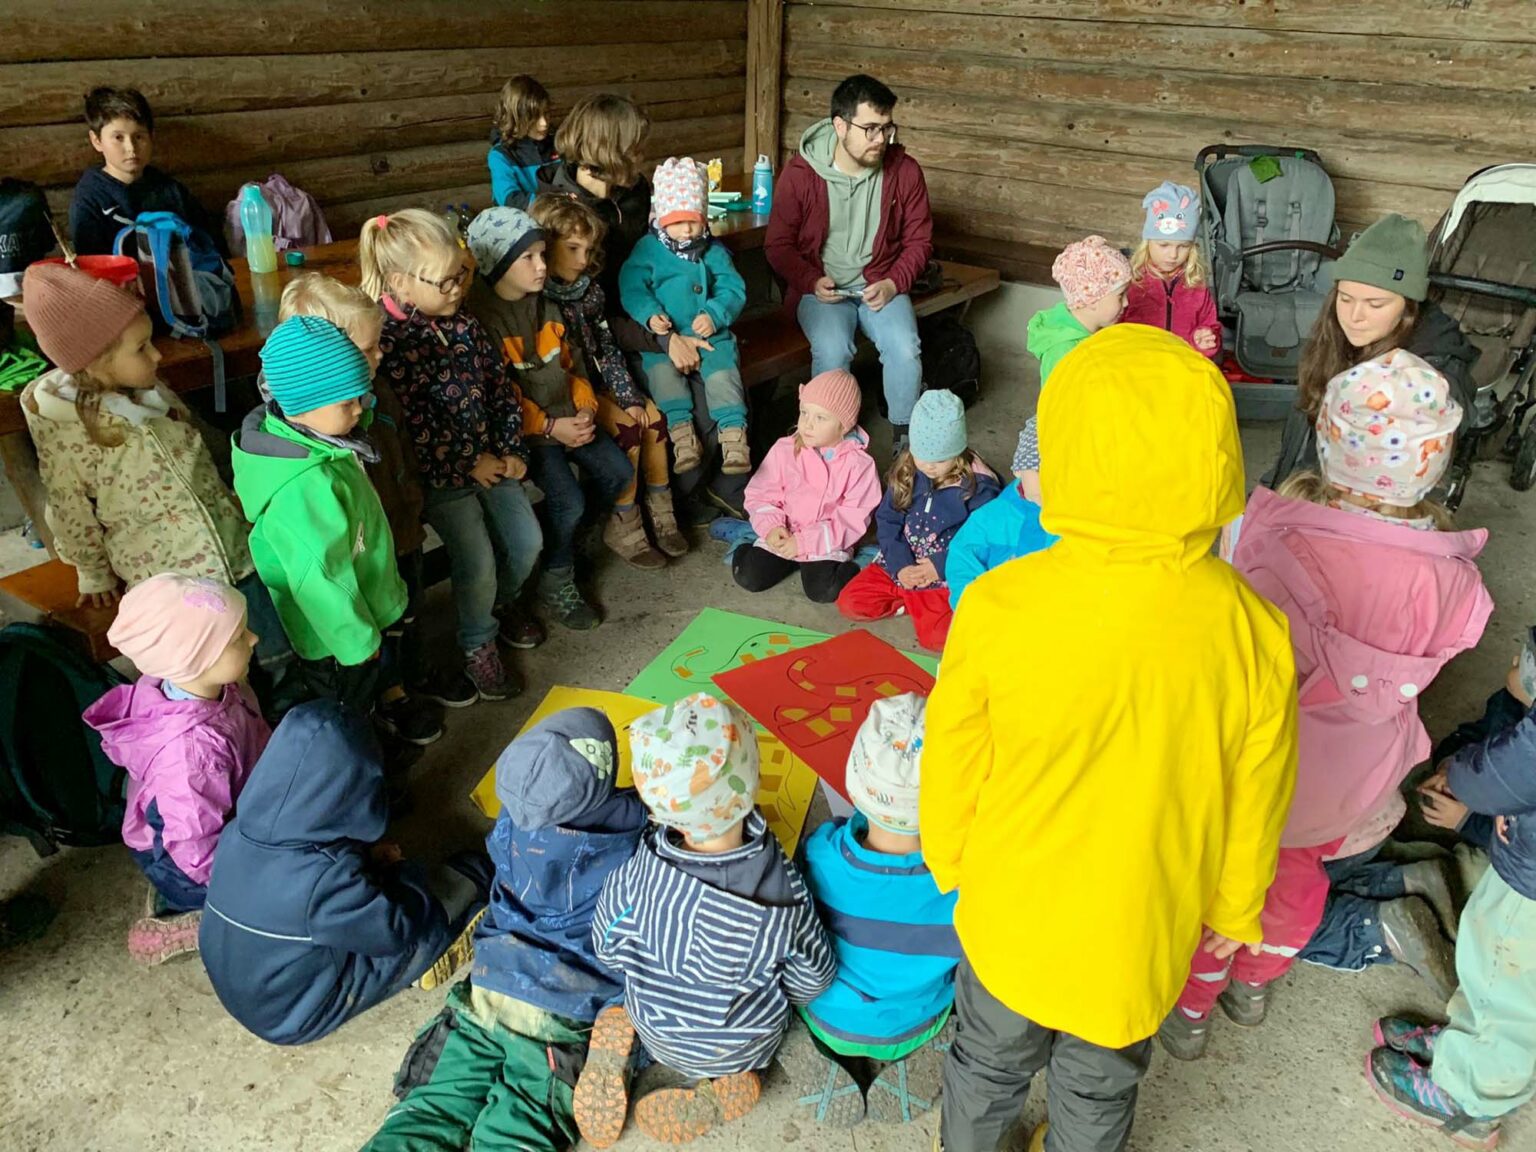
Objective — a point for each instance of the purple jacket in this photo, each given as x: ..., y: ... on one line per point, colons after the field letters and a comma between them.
x: 188, y: 757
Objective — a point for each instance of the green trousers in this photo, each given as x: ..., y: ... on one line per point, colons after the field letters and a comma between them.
x: 492, y: 1091
x: 1485, y: 1059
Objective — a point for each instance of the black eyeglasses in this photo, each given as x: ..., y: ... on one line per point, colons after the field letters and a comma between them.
x: 873, y: 132
x: 448, y: 284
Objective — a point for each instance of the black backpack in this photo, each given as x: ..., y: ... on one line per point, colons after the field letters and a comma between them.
x: 950, y: 357
x: 57, y: 786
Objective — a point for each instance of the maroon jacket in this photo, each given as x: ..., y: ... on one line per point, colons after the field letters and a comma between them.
x: 797, y: 228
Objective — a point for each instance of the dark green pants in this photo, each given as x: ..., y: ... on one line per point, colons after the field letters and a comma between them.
x: 491, y: 1091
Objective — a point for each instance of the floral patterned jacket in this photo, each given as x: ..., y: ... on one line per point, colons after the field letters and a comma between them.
x: 153, y: 503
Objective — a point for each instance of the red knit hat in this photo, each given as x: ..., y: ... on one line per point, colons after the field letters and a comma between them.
x: 75, y: 316
x: 836, y: 391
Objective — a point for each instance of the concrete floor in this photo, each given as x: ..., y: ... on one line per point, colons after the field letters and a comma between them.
x: 102, y: 1056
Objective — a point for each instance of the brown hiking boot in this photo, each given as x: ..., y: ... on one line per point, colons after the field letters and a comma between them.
x: 736, y: 457
x: 601, y: 1099
x: 669, y: 538
x: 625, y: 534
x: 681, y: 1115
x: 686, y: 452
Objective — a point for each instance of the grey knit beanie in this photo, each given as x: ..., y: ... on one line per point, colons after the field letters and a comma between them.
x: 1391, y: 254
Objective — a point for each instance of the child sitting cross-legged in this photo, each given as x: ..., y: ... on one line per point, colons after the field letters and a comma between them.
x: 311, y: 918
x: 1093, y: 276
x: 811, y: 500
x: 711, y: 928
x: 188, y: 733
x: 680, y: 279
x: 933, y: 488
x: 514, y: 1035
x: 875, y: 1041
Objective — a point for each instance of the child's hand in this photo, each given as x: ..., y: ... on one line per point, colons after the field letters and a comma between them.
x: 826, y: 290
x: 637, y: 414
x: 385, y: 854
x: 99, y: 599
x: 1205, y: 339
x: 703, y: 326
x: 927, y: 574
x: 1222, y: 947
x: 879, y: 294
x: 781, y: 542
x: 1440, y: 808
x: 1512, y: 682
x: 573, y: 431
x: 514, y: 467
x: 487, y: 470
x: 1029, y: 485
x: 660, y: 325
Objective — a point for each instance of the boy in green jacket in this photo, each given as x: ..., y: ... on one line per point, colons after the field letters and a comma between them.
x: 321, y: 541
x: 1093, y: 276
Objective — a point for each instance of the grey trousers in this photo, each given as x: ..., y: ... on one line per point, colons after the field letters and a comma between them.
x: 996, y: 1054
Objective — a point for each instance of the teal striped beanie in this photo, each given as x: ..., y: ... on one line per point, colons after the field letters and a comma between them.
x: 309, y: 363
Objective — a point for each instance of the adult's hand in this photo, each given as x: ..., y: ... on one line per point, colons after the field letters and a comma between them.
x: 879, y: 294
x: 684, y: 352
x: 826, y: 290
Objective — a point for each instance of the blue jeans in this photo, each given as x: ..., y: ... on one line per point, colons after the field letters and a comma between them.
x: 1350, y: 937
x: 493, y: 541
x: 831, y: 328
x: 602, y: 462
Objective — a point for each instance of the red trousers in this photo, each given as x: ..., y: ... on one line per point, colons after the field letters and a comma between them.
x: 873, y: 595
x: 1293, y: 908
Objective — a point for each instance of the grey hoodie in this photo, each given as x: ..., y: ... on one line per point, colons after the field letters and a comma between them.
x: 853, y: 206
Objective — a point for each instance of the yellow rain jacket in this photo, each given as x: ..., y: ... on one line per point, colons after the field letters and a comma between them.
x: 1111, y: 746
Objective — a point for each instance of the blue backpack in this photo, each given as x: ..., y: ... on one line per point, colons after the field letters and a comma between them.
x: 56, y: 784
x: 189, y: 291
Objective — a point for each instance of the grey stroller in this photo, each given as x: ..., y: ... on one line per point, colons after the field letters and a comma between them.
x: 1483, y: 263
x: 1266, y: 230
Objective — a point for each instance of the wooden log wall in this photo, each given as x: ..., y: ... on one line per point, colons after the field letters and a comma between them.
x: 371, y: 105
x: 1040, y: 121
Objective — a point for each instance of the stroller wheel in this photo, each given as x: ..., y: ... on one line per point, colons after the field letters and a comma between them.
x: 1522, y: 474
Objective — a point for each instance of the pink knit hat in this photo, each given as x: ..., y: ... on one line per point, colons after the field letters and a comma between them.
x: 679, y: 192
x: 1385, y: 428
x: 1089, y: 270
x: 176, y: 627
x: 836, y: 391
x: 75, y: 316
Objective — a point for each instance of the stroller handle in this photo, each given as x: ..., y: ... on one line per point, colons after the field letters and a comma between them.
x: 1291, y: 246
x: 1492, y: 288
x: 1222, y: 151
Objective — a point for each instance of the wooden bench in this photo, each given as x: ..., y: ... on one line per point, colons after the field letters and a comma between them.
x: 771, y: 345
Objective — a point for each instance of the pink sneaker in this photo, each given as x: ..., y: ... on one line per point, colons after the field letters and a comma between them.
x: 156, y: 939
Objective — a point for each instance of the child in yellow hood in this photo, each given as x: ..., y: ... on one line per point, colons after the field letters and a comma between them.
x: 1113, y: 749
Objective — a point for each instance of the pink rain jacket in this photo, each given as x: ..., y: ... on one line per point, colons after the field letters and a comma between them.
x: 827, y: 504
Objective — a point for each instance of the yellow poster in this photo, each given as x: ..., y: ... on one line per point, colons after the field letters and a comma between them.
x: 784, y: 793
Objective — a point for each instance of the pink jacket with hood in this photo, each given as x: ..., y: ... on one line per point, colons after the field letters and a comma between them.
x: 190, y: 758
x: 1376, y: 610
x: 827, y: 504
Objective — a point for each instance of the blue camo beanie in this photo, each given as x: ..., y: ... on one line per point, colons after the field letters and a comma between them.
x: 1173, y: 213
x: 499, y: 236
x: 309, y: 363
x: 1026, y: 457
x: 937, y: 429
x: 558, y: 771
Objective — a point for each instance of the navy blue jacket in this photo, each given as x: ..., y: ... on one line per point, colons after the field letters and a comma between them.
x: 1497, y: 777
x: 301, y: 932
x: 535, y: 943
x: 100, y: 198
x: 925, y: 527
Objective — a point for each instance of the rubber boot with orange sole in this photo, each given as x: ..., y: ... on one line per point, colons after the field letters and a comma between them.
x: 601, y: 1099
x: 681, y: 1115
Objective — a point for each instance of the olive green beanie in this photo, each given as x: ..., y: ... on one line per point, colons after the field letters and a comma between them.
x: 1392, y: 254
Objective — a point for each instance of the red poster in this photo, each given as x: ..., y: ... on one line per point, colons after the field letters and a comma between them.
x: 815, y: 698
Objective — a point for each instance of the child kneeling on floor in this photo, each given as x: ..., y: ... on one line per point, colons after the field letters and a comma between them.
x: 188, y: 733
x: 811, y: 499
x: 311, y: 919
x: 1094, y: 277
x: 932, y: 489
x: 497, y: 1067
x: 873, y: 1044
x: 712, y: 929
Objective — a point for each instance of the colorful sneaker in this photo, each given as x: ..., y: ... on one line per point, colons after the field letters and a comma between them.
x: 415, y: 721
x: 601, y: 1099
x: 1185, y: 1037
x: 492, y: 679
x: 520, y: 629
x: 1407, y: 1036
x: 459, y: 953
x: 1413, y: 937
x: 565, y: 602
x: 824, y: 1091
x: 908, y: 1089
x: 682, y: 1115
x: 1245, y: 1004
x: 1405, y: 1086
x: 156, y: 939
x: 450, y: 689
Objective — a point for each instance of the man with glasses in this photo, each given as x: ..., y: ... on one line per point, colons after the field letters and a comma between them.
x: 850, y: 232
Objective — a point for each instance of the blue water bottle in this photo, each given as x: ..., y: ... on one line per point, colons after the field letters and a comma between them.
x: 762, y: 186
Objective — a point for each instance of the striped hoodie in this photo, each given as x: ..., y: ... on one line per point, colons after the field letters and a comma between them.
x: 709, y: 976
